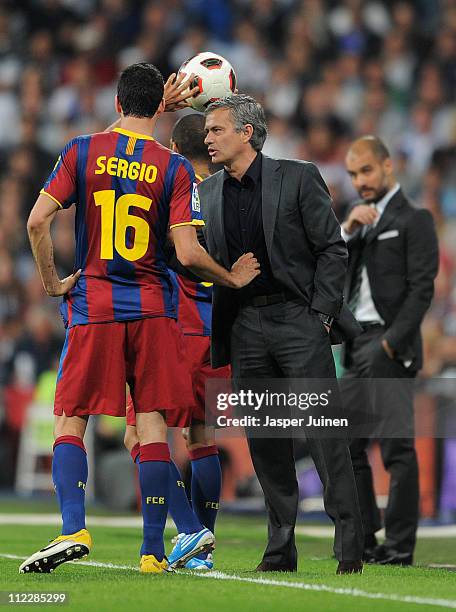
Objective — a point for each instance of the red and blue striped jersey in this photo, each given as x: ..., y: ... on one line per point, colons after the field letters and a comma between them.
x: 193, y: 302
x: 128, y: 191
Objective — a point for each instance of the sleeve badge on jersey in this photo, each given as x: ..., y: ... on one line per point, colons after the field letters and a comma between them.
x: 196, y: 205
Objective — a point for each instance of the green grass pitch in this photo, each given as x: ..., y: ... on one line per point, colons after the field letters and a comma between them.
x: 239, y: 546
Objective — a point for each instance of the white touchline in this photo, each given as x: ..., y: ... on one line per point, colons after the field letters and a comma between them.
x: 322, y: 588
x: 445, y: 603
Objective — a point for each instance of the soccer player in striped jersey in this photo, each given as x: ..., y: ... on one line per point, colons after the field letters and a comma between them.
x: 193, y: 301
x: 129, y: 192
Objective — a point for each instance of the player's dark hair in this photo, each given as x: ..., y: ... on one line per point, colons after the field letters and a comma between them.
x: 140, y: 90
x: 244, y: 110
x: 376, y: 145
x: 188, y: 135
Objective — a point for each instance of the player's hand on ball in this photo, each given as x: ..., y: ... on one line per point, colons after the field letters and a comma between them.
x: 177, y: 91
x: 244, y: 270
x: 363, y: 214
x: 63, y: 286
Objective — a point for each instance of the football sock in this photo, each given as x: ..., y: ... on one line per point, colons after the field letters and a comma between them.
x: 154, y: 484
x: 206, y: 484
x: 179, y: 507
x: 69, y: 473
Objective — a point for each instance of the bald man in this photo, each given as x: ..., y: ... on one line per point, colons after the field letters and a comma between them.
x: 393, y: 260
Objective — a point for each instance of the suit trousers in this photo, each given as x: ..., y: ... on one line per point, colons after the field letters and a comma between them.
x: 287, y: 340
x: 368, y: 359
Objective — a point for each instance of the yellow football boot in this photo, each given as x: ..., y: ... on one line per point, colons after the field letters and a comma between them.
x: 63, y: 548
x: 150, y: 565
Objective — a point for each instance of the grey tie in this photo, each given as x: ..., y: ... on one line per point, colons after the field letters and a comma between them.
x: 357, y: 275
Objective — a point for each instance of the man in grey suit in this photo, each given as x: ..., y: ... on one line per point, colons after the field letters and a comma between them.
x: 279, y: 327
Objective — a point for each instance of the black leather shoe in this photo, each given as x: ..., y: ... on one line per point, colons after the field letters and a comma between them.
x: 350, y: 567
x: 265, y: 566
x: 388, y: 556
x: 370, y: 544
x: 369, y: 555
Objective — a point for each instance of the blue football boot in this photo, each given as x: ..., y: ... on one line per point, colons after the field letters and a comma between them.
x: 200, y: 565
x: 188, y: 545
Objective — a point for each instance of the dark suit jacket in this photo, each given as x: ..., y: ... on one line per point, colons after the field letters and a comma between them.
x: 401, y: 257
x: 306, y: 250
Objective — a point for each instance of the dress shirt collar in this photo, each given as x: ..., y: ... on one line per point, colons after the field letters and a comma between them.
x: 253, y: 172
x: 381, y: 204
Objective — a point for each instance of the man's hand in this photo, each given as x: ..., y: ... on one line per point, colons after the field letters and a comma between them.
x: 177, y: 91
x: 39, y: 231
x: 244, y: 270
x: 60, y: 287
x: 387, y: 348
x: 359, y: 216
x: 192, y: 255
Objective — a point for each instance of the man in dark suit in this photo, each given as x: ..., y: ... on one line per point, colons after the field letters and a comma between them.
x: 281, y: 211
x: 393, y: 260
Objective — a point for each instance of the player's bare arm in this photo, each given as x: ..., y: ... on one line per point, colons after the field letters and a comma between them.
x: 192, y: 255
x: 39, y: 231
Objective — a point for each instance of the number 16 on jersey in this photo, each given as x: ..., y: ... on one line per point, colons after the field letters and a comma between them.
x: 115, y: 221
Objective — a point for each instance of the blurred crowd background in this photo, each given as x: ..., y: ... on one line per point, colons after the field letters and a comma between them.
x: 326, y: 71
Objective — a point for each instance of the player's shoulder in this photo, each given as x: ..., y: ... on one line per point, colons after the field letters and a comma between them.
x: 73, y: 147
x: 157, y: 147
x: 174, y: 159
x: 84, y: 140
x: 76, y: 140
x: 179, y: 159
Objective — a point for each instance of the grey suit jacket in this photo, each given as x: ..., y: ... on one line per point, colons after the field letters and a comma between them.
x: 303, y: 240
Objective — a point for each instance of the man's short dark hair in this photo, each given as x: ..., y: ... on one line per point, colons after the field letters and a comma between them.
x: 188, y: 135
x: 140, y: 90
x: 244, y: 110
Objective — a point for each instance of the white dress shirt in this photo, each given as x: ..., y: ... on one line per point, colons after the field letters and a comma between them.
x: 365, y: 310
